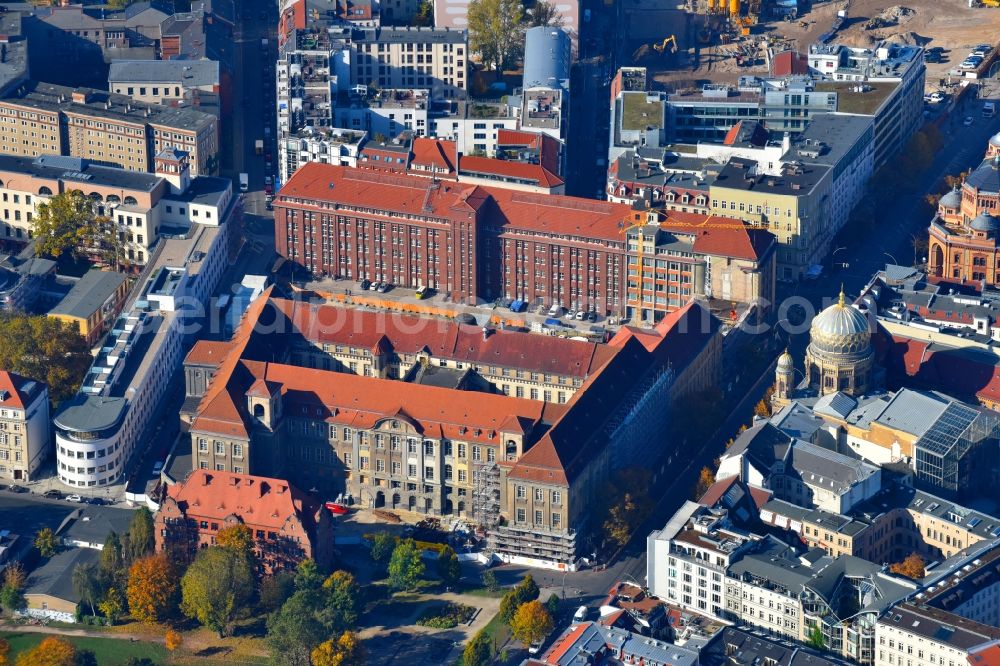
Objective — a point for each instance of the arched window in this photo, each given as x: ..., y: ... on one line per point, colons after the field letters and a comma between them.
x: 94, y: 196
x: 113, y: 198
x: 511, y: 447
x: 44, y: 191
x: 130, y: 201
x: 258, y: 411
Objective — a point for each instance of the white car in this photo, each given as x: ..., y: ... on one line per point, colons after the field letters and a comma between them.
x: 937, y: 97
x: 157, y: 468
x: 74, y: 498
x: 555, y: 310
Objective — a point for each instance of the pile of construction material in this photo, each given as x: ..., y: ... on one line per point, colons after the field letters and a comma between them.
x: 890, y: 16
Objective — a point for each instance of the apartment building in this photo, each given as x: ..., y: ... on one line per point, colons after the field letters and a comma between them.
x: 326, y: 146
x: 107, y: 128
x: 24, y: 426
x: 812, y: 594
x: 474, y: 126
x: 166, y: 82
x: 410, y: 57
x: 144, y: 206
x: 543, y: 99
x: 689, y: 557
x: 287, y: 524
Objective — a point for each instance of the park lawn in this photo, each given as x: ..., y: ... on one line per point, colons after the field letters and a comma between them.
x: 107, y: 651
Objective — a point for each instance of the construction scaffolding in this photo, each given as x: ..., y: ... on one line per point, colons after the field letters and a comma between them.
x: 486, y: 501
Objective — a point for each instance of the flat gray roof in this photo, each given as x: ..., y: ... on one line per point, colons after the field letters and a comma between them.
x: 88, y: 294
x: 87, y: 413
x: 409, y: 35
x: 78, y: 172
x: 188, y: 72
x: 103, y: 104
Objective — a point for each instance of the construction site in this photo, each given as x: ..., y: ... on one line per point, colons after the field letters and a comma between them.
x: 717, y: 41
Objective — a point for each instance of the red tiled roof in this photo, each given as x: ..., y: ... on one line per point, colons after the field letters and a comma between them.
x: 410, y: 334
x: 20, y: 391
x: 731, y: 135
x: 259, y: 501
x: 985, y: 656
x: 208, y: 352
x: 535, y: 173
x: 565, y: 643
x: 407, y: 194
x: 721, y: 236
x: 508, y: 137
x: 434, y: 152
x: 403, y: 194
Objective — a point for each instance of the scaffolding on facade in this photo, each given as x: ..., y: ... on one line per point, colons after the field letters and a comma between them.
x: 486, y: 501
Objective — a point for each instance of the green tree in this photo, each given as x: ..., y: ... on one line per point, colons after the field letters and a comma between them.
x: 341, y: 601
x: 490, y: 581
x: 815, y: 638
x: 307, y: 575
x: 87, y: 584
x: 45, y: 542
x: 217, y: 588
x: 531, y: 623
x: 383, y: 544
x: 552, y: 605
x: 495, y: 32
x: 139, y: 540
x: 508, y: 606
x: 425, y: 14
x: 61, y: 223
x: 102, y: 240
x: 448, y: 566
x: 478, y: 651
x: 45, y: 349
x: 111, y: 556
x: 294, y: 631
x: 11, y: 596
x: 545, y: 14
x: 406, y: 567
x: 113, y: 605
x: 527, y: 589
x: 275, y: 590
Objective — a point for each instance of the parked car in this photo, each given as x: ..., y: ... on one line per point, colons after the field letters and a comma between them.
x: 937, y: 97
x: 52, y: 494
x: 365, y: 284
x: 581, y: 315
x: 373, y: 286
x: 74, y: 498
x: 555, y: 310
x: 423, y: 292
x: 97, y: 501
x: 968, y: 121
x: 157, y: 468
x: 14, y: 488
x: 384, y: 287
x: 581, y: 614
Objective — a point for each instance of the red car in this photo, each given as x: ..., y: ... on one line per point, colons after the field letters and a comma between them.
x: 336, y: 509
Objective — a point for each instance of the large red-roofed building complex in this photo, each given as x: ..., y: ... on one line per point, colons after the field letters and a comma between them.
x: 475, y: 242
x: 445, y: 419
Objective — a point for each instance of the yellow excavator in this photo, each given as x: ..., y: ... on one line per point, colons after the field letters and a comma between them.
x: 661, y: 47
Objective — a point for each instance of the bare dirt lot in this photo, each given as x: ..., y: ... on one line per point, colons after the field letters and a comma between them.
x: 948, y: 24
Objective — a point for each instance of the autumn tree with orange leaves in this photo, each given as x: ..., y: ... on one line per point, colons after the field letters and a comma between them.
x: 705, y: 481
x: 911, y: 567
x: 173, y: 639
x: 343, y: 651
x: 152, y: 588
x: 50, y: 652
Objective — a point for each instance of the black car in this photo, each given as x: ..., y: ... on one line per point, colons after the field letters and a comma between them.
x: 366, y: 283
x: 96, y: 501
x: 18, y: 489
x: 52, y: 494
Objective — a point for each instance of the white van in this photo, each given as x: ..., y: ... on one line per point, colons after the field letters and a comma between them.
x: 580, y: 615
x: 989, y: 109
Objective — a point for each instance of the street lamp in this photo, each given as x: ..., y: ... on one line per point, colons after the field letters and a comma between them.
x: 891, y: 257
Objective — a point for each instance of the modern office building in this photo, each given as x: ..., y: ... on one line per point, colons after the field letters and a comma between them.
x: 103, y: 425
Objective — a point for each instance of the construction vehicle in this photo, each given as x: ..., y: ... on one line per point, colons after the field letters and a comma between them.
x: 660, y: 48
